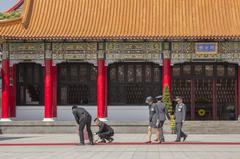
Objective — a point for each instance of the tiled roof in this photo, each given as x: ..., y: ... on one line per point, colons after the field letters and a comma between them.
x: 125, y: 19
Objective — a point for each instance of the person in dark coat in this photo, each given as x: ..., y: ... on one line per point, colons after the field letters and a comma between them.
x: 105, y: 132
x: 180, y: 115
x: 83, y: 118
x: 153, y: 117
x: 163, y: 112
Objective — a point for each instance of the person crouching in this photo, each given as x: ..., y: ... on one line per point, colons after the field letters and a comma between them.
x: 105, y: 131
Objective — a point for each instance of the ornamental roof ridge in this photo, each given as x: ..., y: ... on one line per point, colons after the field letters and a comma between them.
x: 13, y: 14
x: 18, y: 4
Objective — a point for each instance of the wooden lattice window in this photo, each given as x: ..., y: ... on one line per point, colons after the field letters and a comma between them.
x: 76, y: 84
x: 131, y: 83
x: 205, y: 86
x: 29, y: 84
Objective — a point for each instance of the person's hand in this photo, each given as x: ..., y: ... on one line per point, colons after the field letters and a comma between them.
x: 157, y: 123
x: 169, y: 116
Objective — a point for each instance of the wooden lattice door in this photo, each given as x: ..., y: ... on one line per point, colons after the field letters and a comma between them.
x: 131, y: 83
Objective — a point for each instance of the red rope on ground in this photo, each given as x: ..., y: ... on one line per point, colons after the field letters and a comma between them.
x: 122, y: 143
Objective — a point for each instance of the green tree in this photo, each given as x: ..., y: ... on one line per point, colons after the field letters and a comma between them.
x: 168, y: 103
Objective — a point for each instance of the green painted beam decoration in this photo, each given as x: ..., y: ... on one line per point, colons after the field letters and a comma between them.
x: 9, y: 16
x: 208, y: 51
x: 26, y: 51
x: 133, y: 51
x: 75, y: 51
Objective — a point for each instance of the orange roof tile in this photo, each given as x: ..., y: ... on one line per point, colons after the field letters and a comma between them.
x: 125, y: 19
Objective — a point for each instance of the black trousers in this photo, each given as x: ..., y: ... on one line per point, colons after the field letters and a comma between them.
x: 85, y: 121
x: 161, y: 130
x: 105, y: 135
x: 180, y: 133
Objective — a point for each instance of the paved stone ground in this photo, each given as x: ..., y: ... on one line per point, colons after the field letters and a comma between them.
x: 117, y: 151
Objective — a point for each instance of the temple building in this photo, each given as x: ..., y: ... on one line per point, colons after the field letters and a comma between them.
x: 109, y: 55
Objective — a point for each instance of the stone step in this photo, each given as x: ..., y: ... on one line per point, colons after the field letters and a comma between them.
x: 193, y: 127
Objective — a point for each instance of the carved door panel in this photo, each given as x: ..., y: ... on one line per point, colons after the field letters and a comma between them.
x: 212, y: 92
x: 203, y: 98
x: 29, y: 84
x: 131, y: 83
x: 226, y: 98
x: 76, y: 84
x: 183, y: 88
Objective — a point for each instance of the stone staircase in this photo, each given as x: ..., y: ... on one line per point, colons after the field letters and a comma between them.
x: 193, y: 127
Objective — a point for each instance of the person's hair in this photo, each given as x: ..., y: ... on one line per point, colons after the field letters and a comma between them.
x: 74, y: 107
x: 96, y: 119
x: 159, y: 97
x: 155, y: 100
x: 149, y: 99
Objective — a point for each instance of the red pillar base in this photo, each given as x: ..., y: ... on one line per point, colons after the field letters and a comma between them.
x: 49, y: 119
x: 103, y: 119
x: 5, y: 120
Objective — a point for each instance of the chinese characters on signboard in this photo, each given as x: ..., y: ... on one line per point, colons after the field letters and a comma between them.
x: 206, y: 50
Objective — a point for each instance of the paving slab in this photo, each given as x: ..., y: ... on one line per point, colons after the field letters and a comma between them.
x: 138, y: 151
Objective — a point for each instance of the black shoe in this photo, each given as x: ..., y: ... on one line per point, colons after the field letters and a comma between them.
x: 162, y: 140
x: 80, y: 144
x: 91, y: 143
x: 184, y: 138
x: 177, y: 141
x: 102, y: 141
x: 110, y: 140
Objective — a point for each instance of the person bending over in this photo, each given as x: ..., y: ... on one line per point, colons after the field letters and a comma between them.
x: 83, y: 118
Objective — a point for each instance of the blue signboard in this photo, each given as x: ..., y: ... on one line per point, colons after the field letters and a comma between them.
x: 206, y: 50
x: 206, y: 47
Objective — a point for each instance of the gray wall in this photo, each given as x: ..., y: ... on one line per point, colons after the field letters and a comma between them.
x: 115, y: 113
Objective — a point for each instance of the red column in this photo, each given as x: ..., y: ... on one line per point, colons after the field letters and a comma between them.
x: 236, y: 98
x: 13, y: 92
x: 54, y: 91
x: 166, y: 81
x: 214, y: 100
x: 48, y: 91
x: 238, y: 93
x: 5, y: 90
x: 193, y: 108
x: 106, y: 90
x: 101, y: 90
